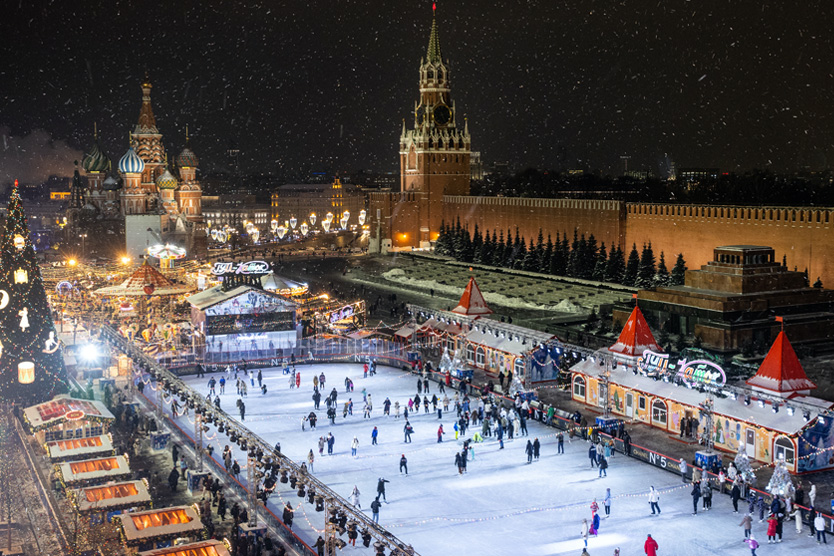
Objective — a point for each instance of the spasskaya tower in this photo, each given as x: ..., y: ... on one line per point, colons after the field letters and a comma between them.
x: 434, y: 153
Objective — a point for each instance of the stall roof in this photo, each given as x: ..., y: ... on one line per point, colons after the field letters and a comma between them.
x: 281, y: 285
x: 781, y: 372
x: 163, y: 522
x: 734, y: 409
x: 406, y: 331
x: 204, y: 548
x: 113, y: 496
x: 94, y: 469
x: 514, y: 344
x: 215, y: 295
x: 636, y: 336
x: 64, y: 408
x: 472, y: 302
x: 74, y: 447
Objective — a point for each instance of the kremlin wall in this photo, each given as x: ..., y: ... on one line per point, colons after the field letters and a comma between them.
x: 802, y: 235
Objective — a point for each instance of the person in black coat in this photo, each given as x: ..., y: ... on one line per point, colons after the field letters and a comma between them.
x: 380, y: 488
x: 536, y: 448
x: 696, y: 494
x: 287, y: 515
x: 173, y: 479
x: 735, y: 494
x: 529, y: 451
x: 319, y: 546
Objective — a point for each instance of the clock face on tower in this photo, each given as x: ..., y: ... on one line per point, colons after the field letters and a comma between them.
x: 442, y: 114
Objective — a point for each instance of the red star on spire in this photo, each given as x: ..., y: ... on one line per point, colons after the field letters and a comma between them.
x: 15, y: 184
x: 434, y: 6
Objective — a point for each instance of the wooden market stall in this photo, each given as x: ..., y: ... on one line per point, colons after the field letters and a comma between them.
x: 79, y: 448
x: 112, y: 497
x: 64, y: 418
x: 93, y: 471
x: 776, y: 419
x: 158, y: 528
x: 204, y: 548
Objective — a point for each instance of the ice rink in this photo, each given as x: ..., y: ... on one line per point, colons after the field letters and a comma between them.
x: 502, y: 505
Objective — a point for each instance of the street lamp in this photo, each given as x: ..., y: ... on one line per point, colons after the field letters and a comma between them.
x: 125, y: 260
x: 83, y: 244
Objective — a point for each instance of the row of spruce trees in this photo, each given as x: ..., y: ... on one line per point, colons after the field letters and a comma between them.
x: 580, y: 258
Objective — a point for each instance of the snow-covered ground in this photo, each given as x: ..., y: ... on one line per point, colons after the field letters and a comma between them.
x: 502, y: 505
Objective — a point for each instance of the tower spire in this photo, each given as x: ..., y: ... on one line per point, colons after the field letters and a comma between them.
x: 433, y: 52
x: 147, y: 121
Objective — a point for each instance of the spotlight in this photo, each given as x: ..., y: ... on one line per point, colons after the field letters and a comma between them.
x: 806, y: 415
x: 761, y: 403
x: 790, y: 409
x: 821, y: 420
x: 746, y: 400
x: 775, y: 408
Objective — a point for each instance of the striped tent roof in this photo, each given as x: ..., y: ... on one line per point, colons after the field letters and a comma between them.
x: 146, y: 275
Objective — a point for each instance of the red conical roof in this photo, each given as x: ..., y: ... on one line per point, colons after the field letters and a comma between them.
x: 472, y: 301
x: 636, y: 336
x: 781, y: 370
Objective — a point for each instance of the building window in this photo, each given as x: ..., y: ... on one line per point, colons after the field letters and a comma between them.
x: 479, y: 357
x: 579, y: 387
x: 470, y: 354
x: 783, y: 449
x: 659, y: 412
x: 519, y: 367
x: 641, y: 403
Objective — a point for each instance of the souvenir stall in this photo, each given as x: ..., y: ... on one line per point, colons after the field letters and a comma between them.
x: 772, y: 418
x: 74, y: 474
x: 64, y: 418
x: 79, y: 448
x: 158, y: 528
x: 204, y: 548
x: 112, y: 497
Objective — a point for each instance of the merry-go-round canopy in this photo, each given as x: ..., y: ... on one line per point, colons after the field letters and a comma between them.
x: 146, y: 281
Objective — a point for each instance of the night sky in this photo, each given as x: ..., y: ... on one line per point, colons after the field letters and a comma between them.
x: 325, y: 84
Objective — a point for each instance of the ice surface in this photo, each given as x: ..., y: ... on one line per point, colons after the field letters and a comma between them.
x: 501, y: 505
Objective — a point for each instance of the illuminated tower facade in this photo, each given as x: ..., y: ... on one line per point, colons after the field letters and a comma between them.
x: 435, y: 152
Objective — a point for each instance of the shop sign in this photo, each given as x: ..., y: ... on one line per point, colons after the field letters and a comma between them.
x: 249, y: 267
x: 653, y: 363
x: 344, y: 313
x: 702, y: 372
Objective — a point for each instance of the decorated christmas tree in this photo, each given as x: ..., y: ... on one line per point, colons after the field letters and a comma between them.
x: 31, y: 362
x: 744, y: 467
x: 780, y: 483
x: 446, y: 361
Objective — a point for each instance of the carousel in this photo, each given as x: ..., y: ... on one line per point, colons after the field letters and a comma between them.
x: 166, y: 254
x: 146, y: 281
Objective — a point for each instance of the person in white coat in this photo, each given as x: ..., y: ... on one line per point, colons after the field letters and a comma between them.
x: 585, y: 531
x: 354, y: 498
x: 354, y: 444
x: 654, y: 500
x: 812, y: 495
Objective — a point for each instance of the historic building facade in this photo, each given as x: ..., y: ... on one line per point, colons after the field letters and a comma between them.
x: 155, y: 203
x: 434, y: 161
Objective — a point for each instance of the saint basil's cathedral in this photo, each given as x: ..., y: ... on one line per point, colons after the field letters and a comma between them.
x: 156, y: 203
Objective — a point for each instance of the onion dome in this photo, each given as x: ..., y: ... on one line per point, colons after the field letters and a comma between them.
x: 187, y: 159
x: 112, y: 183
x: 95, y: 160
x: 130, y: 163
x: 166, y: 180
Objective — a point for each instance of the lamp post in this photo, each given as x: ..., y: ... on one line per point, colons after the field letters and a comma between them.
x: 251, y: 482
x: 604, y: 387
x: 83, y: 245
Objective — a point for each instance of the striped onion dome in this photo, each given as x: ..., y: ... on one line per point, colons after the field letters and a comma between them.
x: 187, y: 159
x: 166, y: 180
x: 130, y: 163
x: 95, y: 160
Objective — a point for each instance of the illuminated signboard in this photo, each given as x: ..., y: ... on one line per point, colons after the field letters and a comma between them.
x: 344, y: 313
x: 702, y: 372
x: 652, y: 363
x: 248, y: 268
x: 249, y: 323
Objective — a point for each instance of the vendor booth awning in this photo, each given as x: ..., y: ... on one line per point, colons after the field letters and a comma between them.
x: 113, y: 496
x: 94, y: 470
x: 282, y: 286
x: 79, y: 448
x: 146, y: 281
x: 176, y: 521
x: 205, y: 548
x: 65, y: 409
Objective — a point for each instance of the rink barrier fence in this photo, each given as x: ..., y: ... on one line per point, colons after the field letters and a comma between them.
x: 145, y: 362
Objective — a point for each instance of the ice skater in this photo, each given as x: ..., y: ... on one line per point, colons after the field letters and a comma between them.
x: 654, y: 501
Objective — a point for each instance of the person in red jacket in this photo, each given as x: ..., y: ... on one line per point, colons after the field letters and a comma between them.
x: 651, y: 546
x: 772, y: 522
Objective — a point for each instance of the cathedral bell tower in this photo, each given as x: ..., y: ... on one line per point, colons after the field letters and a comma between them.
x: 434, y: 154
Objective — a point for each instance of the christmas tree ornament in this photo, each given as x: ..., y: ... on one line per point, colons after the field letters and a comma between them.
x: 4, y: 299
x: 24, y: 318
x: 21, y: 276
x: 26, y: 372
x: 51, y: 345
x: 19, y: 242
